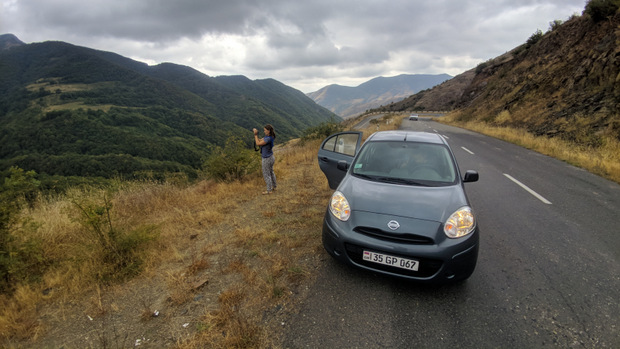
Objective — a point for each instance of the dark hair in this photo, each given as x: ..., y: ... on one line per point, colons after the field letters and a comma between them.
x: 272, y: 132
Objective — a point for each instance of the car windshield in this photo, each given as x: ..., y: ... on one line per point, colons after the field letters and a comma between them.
x: 406, y: 163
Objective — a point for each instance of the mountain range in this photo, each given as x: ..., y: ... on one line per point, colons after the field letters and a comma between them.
x: 67, y: 110
x: 348, y: 101
x: 563, y: 83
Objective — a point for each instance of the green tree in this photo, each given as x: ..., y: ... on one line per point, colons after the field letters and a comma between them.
x: 18, y: 189
x: 599, y: 10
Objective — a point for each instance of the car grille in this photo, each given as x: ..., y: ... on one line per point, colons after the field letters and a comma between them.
x: 428, y: 267
x: 392, y: 237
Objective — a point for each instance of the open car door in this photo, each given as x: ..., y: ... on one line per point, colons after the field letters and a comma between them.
x: 338, y: 148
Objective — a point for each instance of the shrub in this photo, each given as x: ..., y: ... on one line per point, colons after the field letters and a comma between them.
x: 534, y: 38
x: 503, y: 117
x: 233, y: 162
x: 599, y: 10
x: 114, y: 251
x: 321, y: 131
x: 18, y: 189
x: 555, y: 24
x: 480, y: 67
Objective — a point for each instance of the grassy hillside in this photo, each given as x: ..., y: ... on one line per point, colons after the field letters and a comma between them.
x: 203, y: 265
x: 75, y: 114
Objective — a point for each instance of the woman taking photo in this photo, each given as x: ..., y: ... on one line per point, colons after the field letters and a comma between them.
x: 266, y: 150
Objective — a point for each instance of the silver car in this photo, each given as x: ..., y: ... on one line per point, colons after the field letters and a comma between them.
x: 399, y: 206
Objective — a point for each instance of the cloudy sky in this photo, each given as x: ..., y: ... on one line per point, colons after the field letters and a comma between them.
x: 306, y: 44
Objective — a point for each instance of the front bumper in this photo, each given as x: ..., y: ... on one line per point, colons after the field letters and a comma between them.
x: 440, y: 261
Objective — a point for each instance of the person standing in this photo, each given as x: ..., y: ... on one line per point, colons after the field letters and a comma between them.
x: 268, y: 159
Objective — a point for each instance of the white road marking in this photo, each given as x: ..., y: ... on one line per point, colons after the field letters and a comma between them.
x: 467, y: 150
x: 538, y: 196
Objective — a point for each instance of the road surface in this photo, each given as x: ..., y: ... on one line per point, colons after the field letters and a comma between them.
x: 548, y: 273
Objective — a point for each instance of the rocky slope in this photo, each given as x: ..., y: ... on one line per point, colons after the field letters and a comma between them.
x: 564, y: 83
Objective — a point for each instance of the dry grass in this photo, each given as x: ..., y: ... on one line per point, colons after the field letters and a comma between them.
x: 224, y: 241
x: 603, y: 160
x: 18, y: 315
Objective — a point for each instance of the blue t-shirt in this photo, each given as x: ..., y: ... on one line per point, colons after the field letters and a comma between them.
x: 267, y: 149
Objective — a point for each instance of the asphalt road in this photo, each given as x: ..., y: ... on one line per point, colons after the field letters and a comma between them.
x: 364, y: 123
x: 548, y: 273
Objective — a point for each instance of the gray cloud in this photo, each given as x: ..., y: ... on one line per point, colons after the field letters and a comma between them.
x: 306, y: 44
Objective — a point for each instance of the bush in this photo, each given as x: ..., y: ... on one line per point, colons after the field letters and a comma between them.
x: 233, y: 162
x: 534, y: 38
x: 18, y: 189
x: 483, y: 65
x: 480, y: 67
x: 321, y: 131
x: 555, y: 24
x: 599, y: 10
x: 115, y: 251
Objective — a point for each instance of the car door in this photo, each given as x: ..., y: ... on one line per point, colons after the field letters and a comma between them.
x: 336, y: 148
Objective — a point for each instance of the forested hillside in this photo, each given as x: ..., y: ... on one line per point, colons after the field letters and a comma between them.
x: 69, y: 111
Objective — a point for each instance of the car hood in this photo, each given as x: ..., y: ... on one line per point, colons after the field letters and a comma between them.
x: 427, y: 203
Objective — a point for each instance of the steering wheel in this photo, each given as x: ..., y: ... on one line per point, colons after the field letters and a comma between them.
x: 425, y: 172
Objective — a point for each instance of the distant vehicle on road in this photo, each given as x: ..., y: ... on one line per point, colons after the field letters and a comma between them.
x: 413, y: 117
x: 399, y: 207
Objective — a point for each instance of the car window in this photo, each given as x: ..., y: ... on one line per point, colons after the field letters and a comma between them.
x: 406, y: 163
x: 343, y: 144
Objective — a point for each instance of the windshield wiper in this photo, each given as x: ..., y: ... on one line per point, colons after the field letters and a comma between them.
x: 393, y: 180
x: 365, y: 176
x: 397, y: 180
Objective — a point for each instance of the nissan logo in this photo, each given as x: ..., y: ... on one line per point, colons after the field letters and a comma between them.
x: 393, y: 225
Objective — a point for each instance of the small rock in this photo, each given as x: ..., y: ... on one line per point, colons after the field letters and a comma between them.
x: 200, y: 284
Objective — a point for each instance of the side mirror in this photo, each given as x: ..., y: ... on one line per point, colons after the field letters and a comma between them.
x: 343, y: 165
x: 470, y: 176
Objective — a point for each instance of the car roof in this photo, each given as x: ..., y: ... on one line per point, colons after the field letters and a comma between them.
x: 406, y: 136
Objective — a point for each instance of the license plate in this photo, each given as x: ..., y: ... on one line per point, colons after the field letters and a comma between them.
x: 393, y: 261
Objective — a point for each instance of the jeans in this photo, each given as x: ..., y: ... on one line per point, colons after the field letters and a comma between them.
x: 268, y: 175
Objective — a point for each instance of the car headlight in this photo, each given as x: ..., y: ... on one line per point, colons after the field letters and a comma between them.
x: 460, y: 223
x: 339, y: 206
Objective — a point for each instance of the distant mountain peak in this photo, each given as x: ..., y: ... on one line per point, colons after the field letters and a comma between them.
x: 351, y: 101
x: 9, y: 40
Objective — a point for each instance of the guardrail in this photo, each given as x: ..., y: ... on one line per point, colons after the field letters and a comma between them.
x: 426, y: 112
